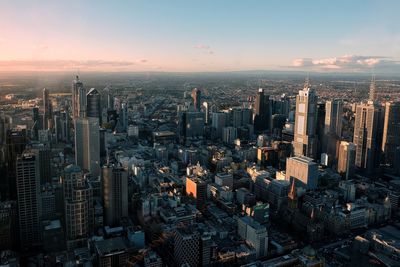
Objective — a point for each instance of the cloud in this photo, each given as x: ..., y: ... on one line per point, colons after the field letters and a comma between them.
x: 346, y: 63
x: 56, y: 65
x: 205, y: 48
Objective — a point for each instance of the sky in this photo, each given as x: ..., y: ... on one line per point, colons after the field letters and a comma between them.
x: 207, y: 35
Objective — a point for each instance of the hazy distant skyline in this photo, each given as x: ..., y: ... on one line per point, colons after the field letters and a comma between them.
x: 343, y: 36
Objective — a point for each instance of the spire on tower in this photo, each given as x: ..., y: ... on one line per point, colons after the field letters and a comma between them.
x: 292, y: 192
x: 307, y: 81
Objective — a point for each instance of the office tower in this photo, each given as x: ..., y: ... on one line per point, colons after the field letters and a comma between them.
x: 47, y: 111
x: 346, y: 161
x: 196, y: 96
x: 57, y: 127
x: 8, y: 225
x: 332, y: 128
x: 43, y: 157
x: 93, y: 108
x: 255, y: 234
x: 206, y: 106
x: 29, y: 204
x: 262, y: 112
x: 247, y: 116
x: 115, y: 194
x: 281, y: 106
x: 78, y: 99
x: 65, y: 128
x: 186, y: 247
x: 320, y: 130
x: 78, y: 206
x: 194, y: 124
x: 391, y: 134
x: 117, y: 105
x: 112, y: 252
x: 372, y: 90
x: 36, y: 123
x: 303, y: 170
x: 368, y: 131
x: 229, y: 135
x: 197, y: 188
x: 87, y: 144
x: 305, y: 141
x: 123, y: 117
x: 219, y: 121
x: 236, y: 117
x: 205, y: 249
x: 15, y: 143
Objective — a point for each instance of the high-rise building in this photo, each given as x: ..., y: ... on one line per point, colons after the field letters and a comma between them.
x: 391, y: 133
x: 229, y: 134
x: 47, y: 111
x: 346, y: 161
x: 255, y: 234
x: 115, y: 194
x: 236, y: 117
x: 29, y: 204
x: 206, y: 106
x: 87, y: 144
x: 196, y: 96
x: 219, y: 121
x: 186, y: 247
x: 65, y: 126
x: 8, y: 225
x: 305, y: 141
x: 262, y: 112
x: 368, y: 131
x: 197, y: 188
x: 43, y: 157
x: 78, y: 206
x: 36, y: 123
x: 78, y: 99
x: 332, y: 128
x: 93, y: 109
x: 194, y: 124
x: 303, y: 170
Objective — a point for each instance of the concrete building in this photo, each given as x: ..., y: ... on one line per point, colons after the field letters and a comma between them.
x: 346, y: 160
x: 78, y: 206
x: 332, y: 129
x: 87, y: 144
x: 219, y: 121
x: 255, y: 234
x: 197, y: 188
x: 112, y: 252
x: 262, y: 112
x: 78, y: 99
x: 391, y: 136
x: 29, y: 204
x: 303, y: 170
x: 187, y: 247
x: 368, y: 131
x: 115, y: 194
x: 194, y: 124
x: 305, y: 140
x: 229, y: 135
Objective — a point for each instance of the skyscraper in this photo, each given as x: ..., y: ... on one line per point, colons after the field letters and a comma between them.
x: 305, y: 141
x: 115, y: 194
x: 93, y: 109
x: 255, y: 234
x: 368, y: 131
x: 219, y: 121
x: 196, y: 96
x: 187, y: 247
x: 262, y: 112
x: 78, y: 99
x: 332, y: 128
x: 47, y: 110
x: 87, y: 144
x: 391, y: 133
x: 29, y: 204
x: 303, y: 170
x: 78, y: 206
x: 36, y: 123
x: 346, y: 161
x: 197, y: 188
x: 194, y: 124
